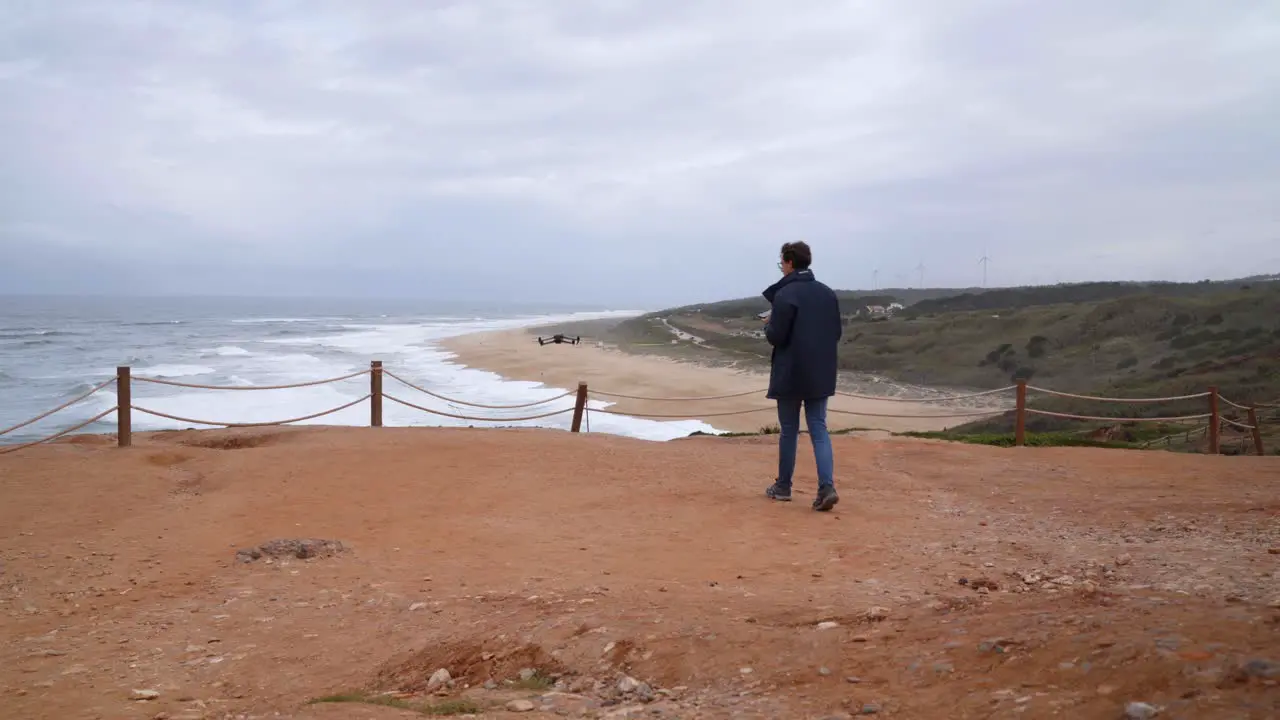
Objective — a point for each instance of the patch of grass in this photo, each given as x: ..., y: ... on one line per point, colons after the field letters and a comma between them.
x: 537, y: 681
x: 365, y: 699
x: 440, y: 709
x: 451, y: 707
x: 1046, y: 439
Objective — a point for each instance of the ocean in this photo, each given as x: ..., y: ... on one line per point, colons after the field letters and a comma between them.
x: 53, y: 349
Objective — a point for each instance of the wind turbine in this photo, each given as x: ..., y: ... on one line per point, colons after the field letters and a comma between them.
x: 920, y: 269
x: 983, y: 262
x: 875, y: 279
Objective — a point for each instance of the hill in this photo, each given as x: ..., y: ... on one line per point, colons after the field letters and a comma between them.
x: 1111, y: 339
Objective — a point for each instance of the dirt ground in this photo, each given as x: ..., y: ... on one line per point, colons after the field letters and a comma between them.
x: 637, y: 579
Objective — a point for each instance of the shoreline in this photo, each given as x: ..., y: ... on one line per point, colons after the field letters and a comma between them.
x: 613, y: 368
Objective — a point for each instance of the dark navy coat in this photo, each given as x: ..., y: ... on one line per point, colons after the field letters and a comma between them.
x: 804, y: 330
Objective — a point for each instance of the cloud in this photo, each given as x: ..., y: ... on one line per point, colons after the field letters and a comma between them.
x: 625, y: 151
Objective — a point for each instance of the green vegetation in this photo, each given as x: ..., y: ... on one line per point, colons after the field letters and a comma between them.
x: 537, y: 681
x: 1051, y: 439
x: 440, y: 709
x: 1103, y: 339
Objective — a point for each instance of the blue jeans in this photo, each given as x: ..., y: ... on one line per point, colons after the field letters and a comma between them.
x: 815, y: 415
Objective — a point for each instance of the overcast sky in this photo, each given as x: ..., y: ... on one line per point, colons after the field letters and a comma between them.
x: 631, y: 152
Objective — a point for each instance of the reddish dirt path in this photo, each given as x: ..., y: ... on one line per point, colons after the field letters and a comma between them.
x: 488, y: 551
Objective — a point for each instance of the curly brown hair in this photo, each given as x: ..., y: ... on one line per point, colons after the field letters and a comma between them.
x: 798, y: 254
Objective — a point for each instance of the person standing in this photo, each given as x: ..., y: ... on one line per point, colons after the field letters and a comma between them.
x: 804, y: 328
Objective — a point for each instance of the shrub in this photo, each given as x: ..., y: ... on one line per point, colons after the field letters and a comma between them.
x: 1023, y: 374
x: 1127, y: 363
x: 1037, y: 346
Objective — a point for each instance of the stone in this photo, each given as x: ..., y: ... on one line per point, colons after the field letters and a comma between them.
x: 828, y: 625
x: 527, y: 674
x: 1261, y: 669
x: 417, y: 606
x: 1140, y: 711
x: 490, y: 685
x: 870, y: 708
x: 853, y: 679
x: 438, y: 679
x: 628, y: 685
x: 144, y: 695
x: 520, y: 706
x: 824, y: 671
x: 1123, y: 559
x: 876, y: 613
x: 300, y: 548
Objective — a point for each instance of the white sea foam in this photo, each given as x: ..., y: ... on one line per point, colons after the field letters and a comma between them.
x: 409, y: 350
x: 173, y: 371
x: 258, y: 321
x: 229, y: 351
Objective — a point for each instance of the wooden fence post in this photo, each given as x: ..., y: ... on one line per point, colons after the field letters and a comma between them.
x: 579, y: 407
x: 375, y: 393
x: 1215, y: 420
x: 124, y: 407
x: 1256, y: 431
x: 1020, y: 426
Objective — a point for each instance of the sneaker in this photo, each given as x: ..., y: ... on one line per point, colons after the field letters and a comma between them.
x: 779, y: 493
x: 826, y: 499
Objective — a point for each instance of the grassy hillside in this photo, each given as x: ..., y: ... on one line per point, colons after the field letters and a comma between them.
x: 850, y: 302
x: 1110, y: 339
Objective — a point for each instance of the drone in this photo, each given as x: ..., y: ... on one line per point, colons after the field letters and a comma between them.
x: 558, y: 339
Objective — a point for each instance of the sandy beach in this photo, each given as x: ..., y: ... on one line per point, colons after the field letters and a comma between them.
x: 516, y: 354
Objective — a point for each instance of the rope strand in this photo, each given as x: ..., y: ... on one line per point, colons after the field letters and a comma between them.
x: 602, y: 393
x: 63, y: 406
x: 174, y: 383
x: 942, y: 399
x: 1118, y: 400
x: 55, y: 436
x: 406, y: 403
x: 1094, y: 418
x: 1242, y: 426
x: 437, y: 396
x: 976, y: 413
x: 1236, y: 405
x: 697, y: 416
x: 178, y: 418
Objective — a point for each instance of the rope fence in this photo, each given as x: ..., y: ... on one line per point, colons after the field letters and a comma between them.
x: 473, y: 418
x: 312, y: 383
x: 1211, y: 422
x: 60, y: 408
x: 55, y: 436
x: 218, y: 423
x: 1096, y: 418
x: 464, y: 403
